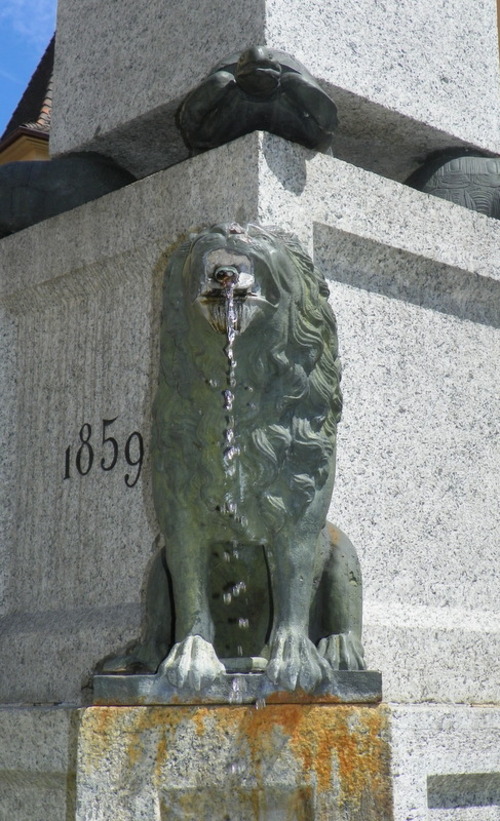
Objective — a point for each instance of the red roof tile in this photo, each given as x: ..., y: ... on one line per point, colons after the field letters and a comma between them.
x: 35, y: 106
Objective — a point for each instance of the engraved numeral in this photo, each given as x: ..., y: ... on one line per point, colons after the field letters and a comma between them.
x: 133, y: 453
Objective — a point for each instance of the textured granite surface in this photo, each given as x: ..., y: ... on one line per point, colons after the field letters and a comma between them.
x: 407, y: 79
x: 329, y: 763
x: 37, y: 763
x: 445, y: 763
x: 445, y: 758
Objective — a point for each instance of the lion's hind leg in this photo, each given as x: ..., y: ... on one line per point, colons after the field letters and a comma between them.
x: 337, y: 610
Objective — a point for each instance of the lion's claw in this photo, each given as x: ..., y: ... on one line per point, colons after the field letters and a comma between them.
x: 192, y: 663
x: 343, y: 651
x: 295, y: 662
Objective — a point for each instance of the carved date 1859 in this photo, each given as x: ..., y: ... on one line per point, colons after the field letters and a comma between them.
x: 84, y: 458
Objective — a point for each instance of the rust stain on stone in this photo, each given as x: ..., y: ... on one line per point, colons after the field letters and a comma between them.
x: 344, y: 743
x: 199, y: 717
x: 301, y: 697
x: 103, y: 729
x: 334, y: 749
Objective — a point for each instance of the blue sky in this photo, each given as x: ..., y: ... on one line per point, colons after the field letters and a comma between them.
x: 26, y: 27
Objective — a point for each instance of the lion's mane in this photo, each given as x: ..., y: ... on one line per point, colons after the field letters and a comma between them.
x: 287, y: 395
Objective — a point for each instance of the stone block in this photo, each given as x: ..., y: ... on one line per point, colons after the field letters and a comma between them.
x: 80, y: 342
x: 330, y: 763
x: 406, y: 80
x: 445, y: 762
x: 415, y: 285
x: 37, y: 763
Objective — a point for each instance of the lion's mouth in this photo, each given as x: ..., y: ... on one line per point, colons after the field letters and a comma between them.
x: 229, y: 297
x: 222, y: 318
x: 224, y: 309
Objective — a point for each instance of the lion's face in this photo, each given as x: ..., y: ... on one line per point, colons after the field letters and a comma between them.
x: 226, y: 282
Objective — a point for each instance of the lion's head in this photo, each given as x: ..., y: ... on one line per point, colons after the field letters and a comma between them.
x: 287, y: 398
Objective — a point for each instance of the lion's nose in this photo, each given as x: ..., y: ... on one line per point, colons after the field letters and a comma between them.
x: 226, y: 274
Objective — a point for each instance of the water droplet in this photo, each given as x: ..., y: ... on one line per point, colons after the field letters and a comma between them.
x: 227, y: 598
x: 229, y: 508
x: 238, y: 588
x: 235, y: 695
x: 260, y: 703
x: 227, y: 556
x: 239, y: 650
x: 243, y: 624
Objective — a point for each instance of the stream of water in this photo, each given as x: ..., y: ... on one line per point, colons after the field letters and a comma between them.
x: 230, y: 447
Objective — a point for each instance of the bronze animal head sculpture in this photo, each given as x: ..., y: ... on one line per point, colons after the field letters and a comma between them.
x: 259, y: 89
x: 244, y: 436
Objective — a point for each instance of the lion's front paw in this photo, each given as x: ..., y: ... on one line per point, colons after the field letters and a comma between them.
x: 192, y: 663
x: 295, y: 663
x: 343, y: 651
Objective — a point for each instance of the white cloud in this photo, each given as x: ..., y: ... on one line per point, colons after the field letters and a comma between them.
x: 11, y: 78
x: 34, y: 20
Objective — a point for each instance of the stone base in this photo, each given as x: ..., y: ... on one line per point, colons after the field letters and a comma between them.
x: 286, y: 761
x: 345, y: 686
x: 38, y: 763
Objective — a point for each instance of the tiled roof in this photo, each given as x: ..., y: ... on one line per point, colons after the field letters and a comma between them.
x: 35, y: 106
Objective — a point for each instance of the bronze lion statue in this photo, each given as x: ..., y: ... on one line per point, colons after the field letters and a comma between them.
x: 243, y: 450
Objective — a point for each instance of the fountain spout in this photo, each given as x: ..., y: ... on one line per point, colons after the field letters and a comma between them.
x: 226, y: 275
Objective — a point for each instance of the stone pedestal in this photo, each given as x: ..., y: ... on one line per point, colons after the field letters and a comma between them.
x: 287, y: 761
x: 343, y: 686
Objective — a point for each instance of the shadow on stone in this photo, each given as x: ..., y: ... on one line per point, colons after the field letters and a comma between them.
x: 34, y: 191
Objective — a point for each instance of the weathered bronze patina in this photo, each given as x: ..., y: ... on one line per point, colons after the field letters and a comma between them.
x: 465, y: 177
x: 261, y: 89
x: 244, y: 438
